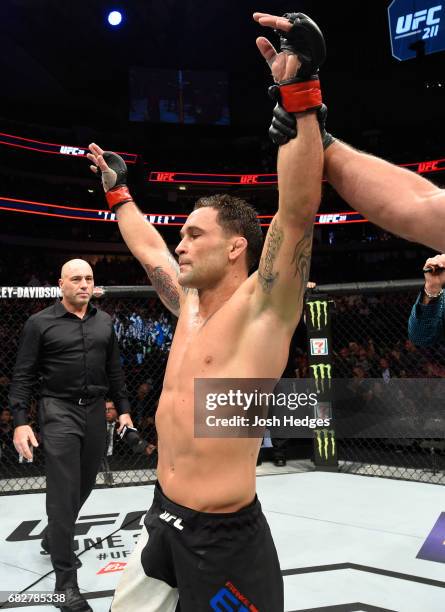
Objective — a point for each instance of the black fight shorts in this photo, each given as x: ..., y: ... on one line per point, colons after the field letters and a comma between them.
x: 197, y: 561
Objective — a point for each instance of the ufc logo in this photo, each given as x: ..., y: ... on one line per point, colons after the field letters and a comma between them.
x: 247, y: 179
x: 165, y: 177
x: 171, y: 518
x: 332, y: 218
x: 429, y: 166
x: 412, y: 21
x: 71, y: 150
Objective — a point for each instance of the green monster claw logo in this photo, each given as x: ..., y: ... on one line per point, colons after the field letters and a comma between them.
x: 318, y: 309
x: 325, y: 443
x: 322, y: 371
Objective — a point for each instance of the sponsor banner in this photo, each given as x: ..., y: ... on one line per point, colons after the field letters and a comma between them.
x: 31, y: 293
x: 319, y: 346
x: 320, y: 366
x: 318, y: 314
x: 325, y: 446
x: 403, y: 21
x: 195, y: 178
x: 322, y: 373
x: 90, y: 214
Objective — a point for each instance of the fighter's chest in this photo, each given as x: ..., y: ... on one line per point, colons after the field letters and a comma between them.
x: 205, y: 347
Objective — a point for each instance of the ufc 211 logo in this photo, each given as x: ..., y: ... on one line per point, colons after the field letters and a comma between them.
x: 413, y: 23
x: 174, y: 520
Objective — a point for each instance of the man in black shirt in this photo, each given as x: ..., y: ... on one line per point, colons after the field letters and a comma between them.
x: 72, y: 347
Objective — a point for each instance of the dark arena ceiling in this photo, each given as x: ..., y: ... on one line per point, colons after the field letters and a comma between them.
x: 62, y: 64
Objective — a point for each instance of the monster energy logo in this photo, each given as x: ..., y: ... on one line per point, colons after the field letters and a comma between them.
x: 322, y: 371
x: 325, y: 443
x: 317, y: 309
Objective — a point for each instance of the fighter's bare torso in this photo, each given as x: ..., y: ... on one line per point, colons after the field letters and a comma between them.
x: 229, y: 326
x: 214, y: 474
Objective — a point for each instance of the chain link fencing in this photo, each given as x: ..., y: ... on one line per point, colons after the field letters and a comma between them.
x: 369, y: 339
x: 369, y: 327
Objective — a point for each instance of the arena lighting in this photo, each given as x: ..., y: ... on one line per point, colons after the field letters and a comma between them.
x: 40, y: 146
x: 171, y: 219
x: 252, y: 180
x: 114, y: 18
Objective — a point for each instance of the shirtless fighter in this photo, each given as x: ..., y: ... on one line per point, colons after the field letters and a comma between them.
x: 394, y: 198
x: 205, y: 538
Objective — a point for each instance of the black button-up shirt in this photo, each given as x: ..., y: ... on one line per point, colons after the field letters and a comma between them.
x: 75, y: 358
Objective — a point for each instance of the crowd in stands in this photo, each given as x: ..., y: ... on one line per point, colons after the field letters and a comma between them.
x: 370, y: 339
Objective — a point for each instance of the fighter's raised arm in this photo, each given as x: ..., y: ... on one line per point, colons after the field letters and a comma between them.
x: 142, y: 238
x: 394, y: 198
x: 284, y: 267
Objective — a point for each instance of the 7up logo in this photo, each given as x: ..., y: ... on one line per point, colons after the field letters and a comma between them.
x: 322, y: 372
x: 319, y: 312
x: 325, y: 443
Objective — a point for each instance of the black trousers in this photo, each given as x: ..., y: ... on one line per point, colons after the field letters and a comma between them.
x: 74, y: 443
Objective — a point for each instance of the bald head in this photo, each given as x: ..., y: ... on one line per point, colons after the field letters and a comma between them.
x: 77, y: 284
x: 74, y: 266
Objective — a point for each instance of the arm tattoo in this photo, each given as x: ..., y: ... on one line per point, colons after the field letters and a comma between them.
x: 302, y: 257
x: 266, y: 275
x: 164, y: 286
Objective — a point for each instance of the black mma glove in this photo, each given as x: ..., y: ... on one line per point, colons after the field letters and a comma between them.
x: 302, y: 92
x: 284, y: 125
x: 114, y: 180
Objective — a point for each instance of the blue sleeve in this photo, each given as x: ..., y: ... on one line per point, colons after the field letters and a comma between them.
x: 426, y: 324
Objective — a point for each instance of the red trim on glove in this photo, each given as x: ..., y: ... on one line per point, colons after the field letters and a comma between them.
x: 301, y: 97
x: 118, y: 195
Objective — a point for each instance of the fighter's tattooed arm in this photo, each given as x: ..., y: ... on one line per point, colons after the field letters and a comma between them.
x: 284, y: 267
x: 163, y: 276
x: 301, y: 259
x: 266, y: 274
x: 284, y: 270
x: 165, y: 287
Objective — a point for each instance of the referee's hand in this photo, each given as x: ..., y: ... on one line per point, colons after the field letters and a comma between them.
x: 25, y: 441
x: 124, y: 419
x: 434, y: 271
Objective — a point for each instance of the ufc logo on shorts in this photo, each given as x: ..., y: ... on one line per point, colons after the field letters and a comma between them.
x: 225, y: 601
x: 171, y: 518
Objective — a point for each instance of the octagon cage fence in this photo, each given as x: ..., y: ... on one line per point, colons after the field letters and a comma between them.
x: 368, y: 333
